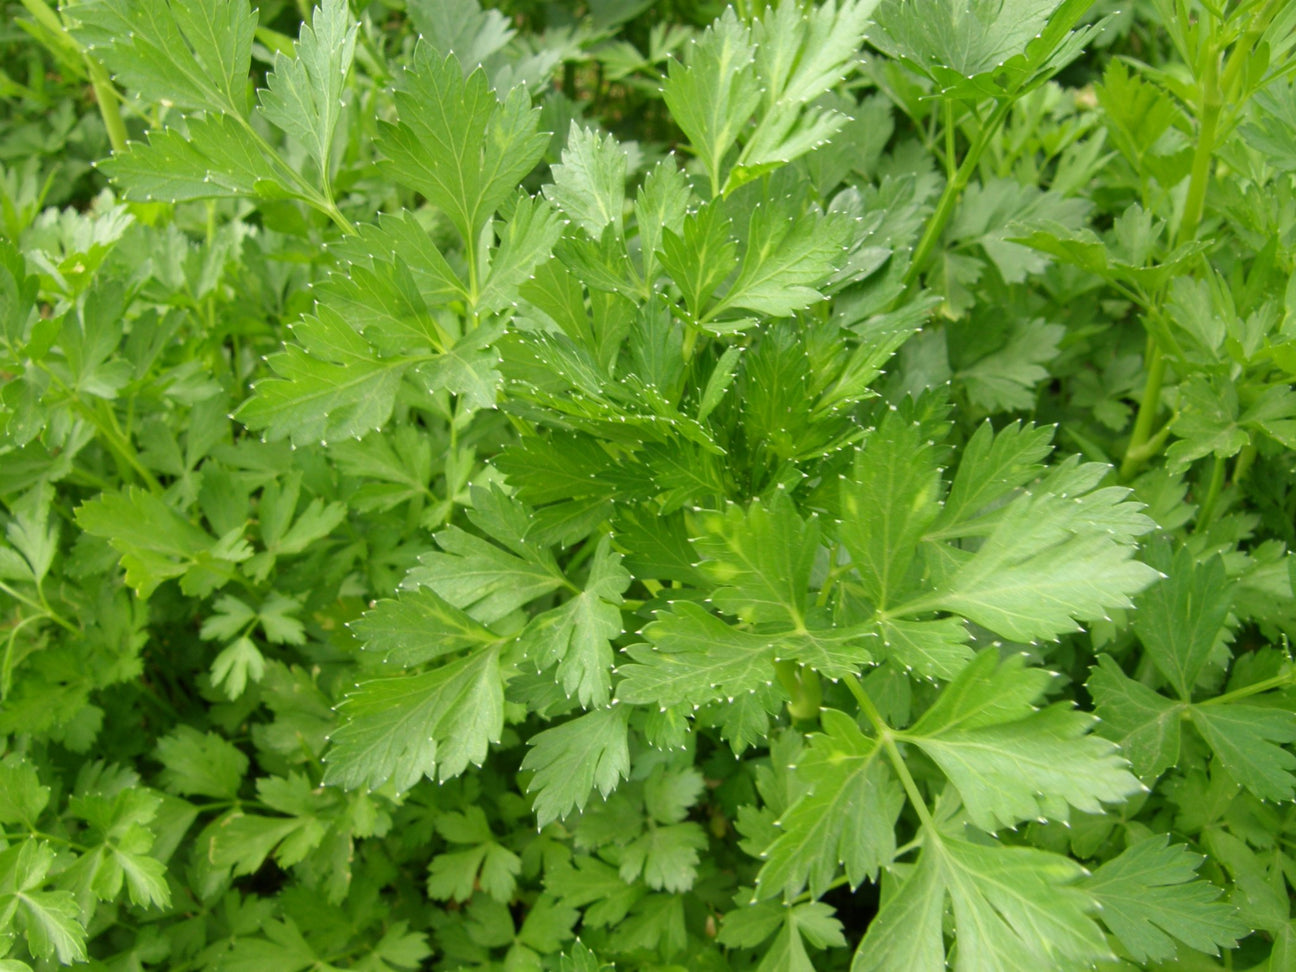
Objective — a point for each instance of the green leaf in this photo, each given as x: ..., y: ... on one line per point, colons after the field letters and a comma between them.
x: 906, y: 935
x: 194, y: 55
x: 846, y: 816
x: 1053, y: 557
x: 201, y: 764
x: 1006, y: 379
x: 760, y: 559
x: 812, y: 922
x: 395, y: 240
x: 589, y: 184
x: 303, y: 95
x: 1013, y: 908
x: 788, y: 255
x: 573, y: 758
x: 966, y: 38
x: 1008, y: 769
x: 982, y: 49
x: 578, y: 634
x: 49, y: 920
x: 456, y: 143
x: 660, y: 205
x: 693, y: 657
x: 455, y: 875
x: 1249, y: 741
x: 929, y: 649
x: 417, y: 627
x: 22, y: 797
x: 404, y: 728
x: 668, y: 794
x: 1151, y: 898
x: 238, y: 663
x: 1144, y: 724
x: 215, y: 158
x: 1180, y: 620
x: 666, y: 857
x: 485, y: 581
x: 1030, y: 769
x: 991, y: 466
x: 526, y: 241
x: 332, y: 386
x: 581, y: 959
x: 156, y: 543
x: 886, y: 503
x: 596, y: 887
x: 700, y: 255
x: 801, y: 54
x: 31, y: 532
x: 713, y: 93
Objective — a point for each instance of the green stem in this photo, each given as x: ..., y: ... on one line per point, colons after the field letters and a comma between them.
x: 105, y: 93
x: 1244, y: 462
x: 887, y: 739
x: 117, y: 444
x: 803, y: 686
x: 42, y: 606
x: 1195, y: 203
x: 306, y: 192
x: 953, y: 190
x: 108, y: 100
x: 1207, y: 511
x: 951, y: 164
x: 1136, y: 453
x: 1246, y: 691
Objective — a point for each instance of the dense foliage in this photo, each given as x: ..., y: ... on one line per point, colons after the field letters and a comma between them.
x: 647, y: 485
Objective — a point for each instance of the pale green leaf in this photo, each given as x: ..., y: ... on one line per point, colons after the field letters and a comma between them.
x: 713, y: 93
x: 406, y: 727
x: 456, y: 143
x: 846, y: 816
x: 693, y: 656
x: 192, y: 54
x: 1254, y: 744
x: 572, y: 759
x: 202, y: 764
x: 332, y: 385
x: 577, y: 635
x: 788, y: 255
x: 303, y: 95
x: 418, y: 626
x: 1033, y: 768
x: 760, y: 559
x: 886, y: 504
x: 589, y: 184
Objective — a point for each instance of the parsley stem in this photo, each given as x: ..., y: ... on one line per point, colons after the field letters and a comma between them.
x: 953, y: 190
x: 42, y: 606
x: 887, y: 738
x: 1206, y: 513
x: 803, y: 686
x: 1246, y: 691
x: 1136, y: 450
x: 100, y: 82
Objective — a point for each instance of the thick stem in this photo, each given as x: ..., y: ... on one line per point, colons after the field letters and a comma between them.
x: 803, y: 686
x: 1207, y: 512
x: 1136, y: 451
x: 109, y: 105
x: 105, y: 93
